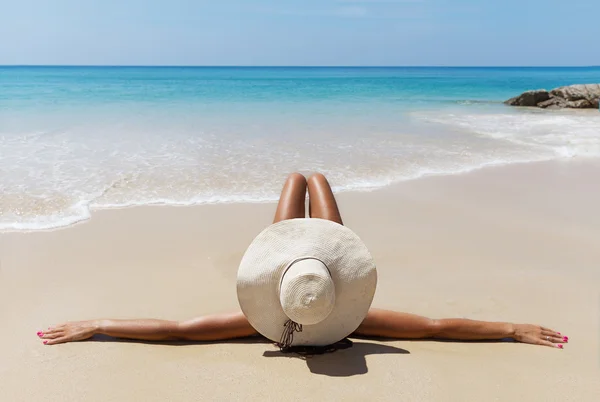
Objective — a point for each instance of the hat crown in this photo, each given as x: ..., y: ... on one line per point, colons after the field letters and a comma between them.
x: 307, y: 291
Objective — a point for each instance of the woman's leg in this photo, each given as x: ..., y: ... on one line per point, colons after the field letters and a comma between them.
x: 322, y: 203
x: 293, y: 198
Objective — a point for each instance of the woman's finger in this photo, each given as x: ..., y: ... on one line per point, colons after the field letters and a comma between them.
x: 554, y: 339
x: 52, y: 330
x: 56, y: 341
x: 550, y: 344
x: 550, y: 330
x: 52, y: 335
x: 560, y: 339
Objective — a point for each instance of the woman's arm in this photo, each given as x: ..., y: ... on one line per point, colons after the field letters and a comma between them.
x: 380, y: 323
x: 383, y: 323
x: 208, y: 328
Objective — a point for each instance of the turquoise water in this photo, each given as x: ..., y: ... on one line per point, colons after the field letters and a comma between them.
x: 77, y: 138
x: 32, y: 87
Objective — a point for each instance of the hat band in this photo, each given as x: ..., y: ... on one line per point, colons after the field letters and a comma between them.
x: 287, y: 268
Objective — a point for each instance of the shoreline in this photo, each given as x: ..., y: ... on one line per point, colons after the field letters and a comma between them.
x: 91, y: 210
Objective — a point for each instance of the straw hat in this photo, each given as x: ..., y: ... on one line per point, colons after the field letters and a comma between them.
x: 312, y: 274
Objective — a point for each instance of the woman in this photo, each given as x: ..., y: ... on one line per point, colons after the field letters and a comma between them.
x: 376, y: 323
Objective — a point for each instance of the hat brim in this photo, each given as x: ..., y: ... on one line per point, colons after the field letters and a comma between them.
x: 351, y: 266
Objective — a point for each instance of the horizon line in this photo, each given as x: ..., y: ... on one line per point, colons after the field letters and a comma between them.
x: 292, y: 66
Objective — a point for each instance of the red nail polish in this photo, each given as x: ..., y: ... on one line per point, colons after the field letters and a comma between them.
x: 558, y: 333
x: 560, y: 346
x: 45, y: 342
x: 40, y: 333
x: 566, y: 339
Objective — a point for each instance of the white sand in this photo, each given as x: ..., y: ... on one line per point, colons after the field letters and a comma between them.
x: 519, y: 243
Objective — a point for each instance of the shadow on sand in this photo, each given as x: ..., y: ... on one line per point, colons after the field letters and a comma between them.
x: 343, y: 362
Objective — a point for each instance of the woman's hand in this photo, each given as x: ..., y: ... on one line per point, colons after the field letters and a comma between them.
x: 537, y: 335
x: 69, y: 332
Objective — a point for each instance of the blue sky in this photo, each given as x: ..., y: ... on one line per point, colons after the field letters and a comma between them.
x: 294, y: 32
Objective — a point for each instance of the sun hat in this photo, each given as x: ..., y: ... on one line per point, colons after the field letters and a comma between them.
x: 307, y: 275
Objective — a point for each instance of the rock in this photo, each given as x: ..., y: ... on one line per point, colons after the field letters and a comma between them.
x: 553, y: 103
x: 580, y: 104
x: 583, y: 96
x: 578, y: 92
x: 529, y: 98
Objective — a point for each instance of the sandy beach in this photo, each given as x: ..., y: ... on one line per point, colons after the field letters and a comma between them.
x: 519, y: 243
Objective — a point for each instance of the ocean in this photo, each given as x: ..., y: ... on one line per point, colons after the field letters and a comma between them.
x: 74, y: 139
